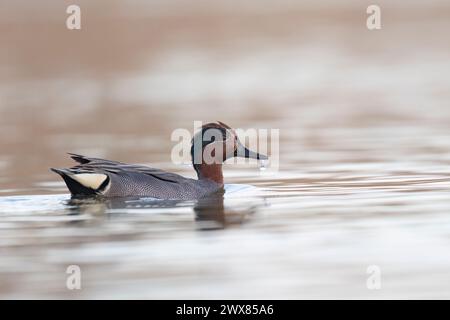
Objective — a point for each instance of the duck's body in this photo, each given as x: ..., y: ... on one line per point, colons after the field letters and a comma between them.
x: 94, y: 176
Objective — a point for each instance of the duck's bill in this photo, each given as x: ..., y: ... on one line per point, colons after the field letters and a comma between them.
x: 243, y: 152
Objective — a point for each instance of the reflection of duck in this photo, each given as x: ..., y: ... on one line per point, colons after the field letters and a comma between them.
x: 107, y: 178
x: 210, y: 211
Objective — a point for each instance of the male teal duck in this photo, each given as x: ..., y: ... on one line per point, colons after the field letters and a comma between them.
x: 99, y: 177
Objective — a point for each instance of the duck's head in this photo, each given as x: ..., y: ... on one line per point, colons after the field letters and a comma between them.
x: 212, y: 145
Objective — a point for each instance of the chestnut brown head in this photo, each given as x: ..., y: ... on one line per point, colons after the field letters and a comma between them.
x: 217, y: 142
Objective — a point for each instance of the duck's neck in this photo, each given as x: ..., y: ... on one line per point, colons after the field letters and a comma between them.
x: 210, y: 171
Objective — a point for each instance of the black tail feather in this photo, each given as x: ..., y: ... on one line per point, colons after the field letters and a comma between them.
x: 79, y: 158
x: 74, y: 186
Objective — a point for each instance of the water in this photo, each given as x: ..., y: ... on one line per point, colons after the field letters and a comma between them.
x: 364, y: 175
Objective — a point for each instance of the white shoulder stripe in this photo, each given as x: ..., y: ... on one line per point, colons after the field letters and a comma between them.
x: 90, y: 180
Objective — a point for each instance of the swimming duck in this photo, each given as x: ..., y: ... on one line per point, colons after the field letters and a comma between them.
x: 100, y: 177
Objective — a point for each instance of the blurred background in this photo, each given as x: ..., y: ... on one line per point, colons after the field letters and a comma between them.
x: 364, y: 121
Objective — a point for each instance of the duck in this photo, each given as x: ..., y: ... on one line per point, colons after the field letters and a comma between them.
x: 112, y: 179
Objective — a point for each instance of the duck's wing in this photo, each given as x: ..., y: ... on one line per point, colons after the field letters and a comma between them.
x: 98, y: 164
